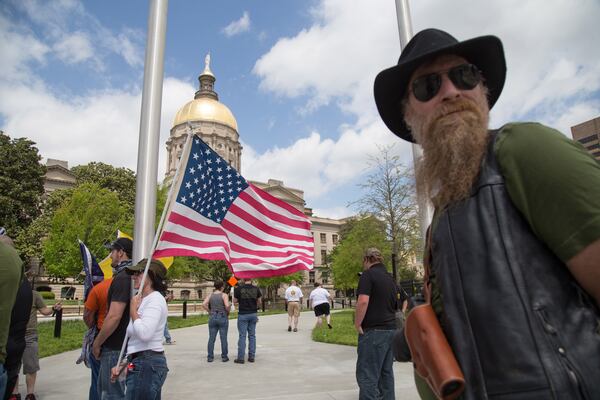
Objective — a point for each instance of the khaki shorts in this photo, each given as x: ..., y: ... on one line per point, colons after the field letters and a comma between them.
x: 294, y: 309
x: 31, y: 361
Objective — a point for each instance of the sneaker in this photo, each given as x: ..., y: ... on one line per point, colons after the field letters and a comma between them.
x: 295, y: 329
x: 289, y: 328
x: 225, y: 359
x: 210, y: 359
x: 30, y: 396
x: 251, y: 359
x: 330, y: 327
x: 239, y: 361
x: 15, y: 396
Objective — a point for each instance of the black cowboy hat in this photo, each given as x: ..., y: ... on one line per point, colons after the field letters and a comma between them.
x: 391, y: 84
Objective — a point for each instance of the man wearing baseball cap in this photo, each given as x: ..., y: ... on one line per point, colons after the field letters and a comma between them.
x: 515, y: 238
x: 107, y: 344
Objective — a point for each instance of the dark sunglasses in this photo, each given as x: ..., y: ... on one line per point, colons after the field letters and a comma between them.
x: 464, y: 77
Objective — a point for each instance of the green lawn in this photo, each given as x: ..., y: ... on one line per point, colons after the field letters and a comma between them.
x: 343, y: 331
x: 72, y: 332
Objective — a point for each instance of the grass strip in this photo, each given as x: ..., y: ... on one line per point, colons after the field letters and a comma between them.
x: 343, y: 331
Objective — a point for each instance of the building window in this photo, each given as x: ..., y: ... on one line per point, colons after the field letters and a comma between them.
x: 323, y: 238
x: 323, y: 256
x: 325, y: 277
x: 334, y: 238
x: 199, y: 293
x: 311, y: 277
x: 185, y: 295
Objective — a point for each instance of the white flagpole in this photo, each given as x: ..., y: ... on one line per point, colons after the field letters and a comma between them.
x: 147, y: 165
x: 406, y: 33
x: 149, y: 137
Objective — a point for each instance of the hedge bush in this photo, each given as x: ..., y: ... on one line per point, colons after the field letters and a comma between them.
x: 48, y: 295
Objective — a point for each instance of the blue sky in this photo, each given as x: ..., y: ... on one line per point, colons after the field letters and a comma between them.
x: 296, y: 74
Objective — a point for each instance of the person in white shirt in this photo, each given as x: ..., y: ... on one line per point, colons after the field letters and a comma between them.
x: 293, y: 300
x: 319, y: 301
x: 147, y: 368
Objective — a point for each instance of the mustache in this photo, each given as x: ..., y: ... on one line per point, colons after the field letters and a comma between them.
x: 453, y: 106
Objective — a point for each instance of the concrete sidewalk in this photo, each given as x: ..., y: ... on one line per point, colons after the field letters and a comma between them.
x: 288, y: 364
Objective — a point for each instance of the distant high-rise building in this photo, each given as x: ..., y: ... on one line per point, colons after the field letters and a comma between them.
x: 588, y: 134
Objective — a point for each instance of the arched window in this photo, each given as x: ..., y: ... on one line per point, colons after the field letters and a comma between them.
x: 185, y: 294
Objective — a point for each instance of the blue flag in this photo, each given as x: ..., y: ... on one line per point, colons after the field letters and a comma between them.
x: 93, y: 273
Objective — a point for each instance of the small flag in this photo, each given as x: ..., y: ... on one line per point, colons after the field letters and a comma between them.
x: 218, y: 215
x: 93, y: 273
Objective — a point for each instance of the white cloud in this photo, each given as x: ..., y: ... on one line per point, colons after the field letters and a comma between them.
x: 74, y: 48
x: 18, y: 47
x: 239, y: 26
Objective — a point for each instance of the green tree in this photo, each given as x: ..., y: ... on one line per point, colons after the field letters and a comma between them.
x: 21, y: 183
x: 347, y: 256
x: 119, y: 180
x: 92, y: 214
x: 390, y: 195
x: 273, y: 283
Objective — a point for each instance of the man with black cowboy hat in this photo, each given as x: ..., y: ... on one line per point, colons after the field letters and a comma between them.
x: 107, y: 344
x: 515, y: 238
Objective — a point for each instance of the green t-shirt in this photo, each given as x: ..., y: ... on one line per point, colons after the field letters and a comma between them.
x: 11, y: 268
x: 555, y: 184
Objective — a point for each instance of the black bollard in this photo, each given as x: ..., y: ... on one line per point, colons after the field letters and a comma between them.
x: 307, y: 303
x: 263, y: 306
x: 343, y: 303
x: 350, y: 302
x: 332, y: 304
x: 286, y: 306
x: 58, y: 323
x: 185, y: 309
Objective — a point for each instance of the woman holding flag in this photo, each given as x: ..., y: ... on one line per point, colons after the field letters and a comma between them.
x: 147, y: 368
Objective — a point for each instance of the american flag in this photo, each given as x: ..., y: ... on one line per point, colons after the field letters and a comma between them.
x: 218, y: 215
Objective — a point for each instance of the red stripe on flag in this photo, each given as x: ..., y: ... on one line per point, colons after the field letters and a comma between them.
x: 258, y: 224
x: 186, y: 241
x: 272, y: 199
x: 230, y: 227
x: 194, y: 225
x: 261, y: 208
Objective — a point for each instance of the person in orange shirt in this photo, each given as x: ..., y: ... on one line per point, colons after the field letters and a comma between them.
x: 96, y: 307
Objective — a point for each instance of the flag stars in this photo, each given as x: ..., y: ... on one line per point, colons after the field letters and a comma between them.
x: 195, y: 156
x: 183, y: 199
x: 188, y: 185
x: 192, y: 170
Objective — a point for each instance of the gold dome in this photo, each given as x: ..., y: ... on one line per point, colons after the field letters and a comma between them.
x: 205, y: 109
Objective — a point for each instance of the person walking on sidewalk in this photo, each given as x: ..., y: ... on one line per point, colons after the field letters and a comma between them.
x: 293, y: 300
x: 248, y: 297
x: 217, y: 306
x: 319, y: 301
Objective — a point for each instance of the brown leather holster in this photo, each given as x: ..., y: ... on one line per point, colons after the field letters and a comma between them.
x: 431, y: 354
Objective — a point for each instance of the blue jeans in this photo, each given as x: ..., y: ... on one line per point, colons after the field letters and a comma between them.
x: 106, y: 389
x: 217, y: 323
x: 166, y: 333
x: 246, y: 324
x: 374, y: 365
x: 95, y: 367
x: 146, y: 378
x: 3, y: 380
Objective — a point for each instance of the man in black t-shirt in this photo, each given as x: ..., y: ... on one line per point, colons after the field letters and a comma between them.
x: 249, y: 298
x: 107, y: 344
x: 375, y: 323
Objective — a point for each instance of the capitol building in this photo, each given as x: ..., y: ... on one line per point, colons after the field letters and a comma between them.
x: 214, y: 122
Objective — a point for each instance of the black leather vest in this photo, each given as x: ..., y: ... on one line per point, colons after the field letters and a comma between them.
x: 519, y: 324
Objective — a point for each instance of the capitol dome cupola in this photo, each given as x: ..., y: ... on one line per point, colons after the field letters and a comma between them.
x: 210, y: 119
